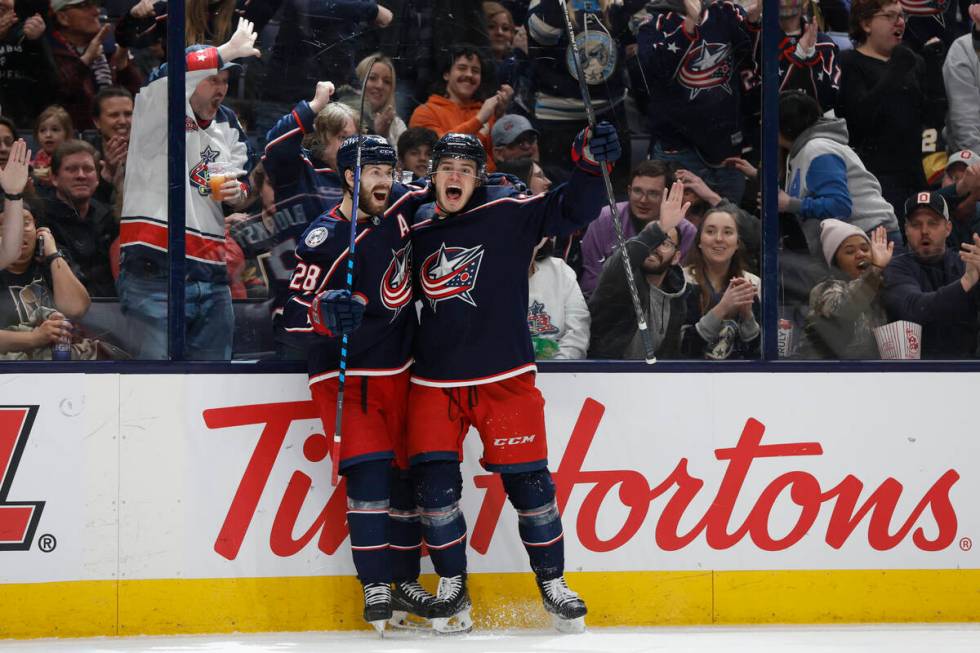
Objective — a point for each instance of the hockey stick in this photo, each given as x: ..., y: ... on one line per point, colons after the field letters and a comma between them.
x: 641, y: 321
x: 342, y: 367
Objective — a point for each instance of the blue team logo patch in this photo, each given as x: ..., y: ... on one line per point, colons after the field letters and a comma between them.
x: 450, y: 273
x: 316, y: 236
x: 396, y: 284
x: 598, y: 55
x: 706, y: 66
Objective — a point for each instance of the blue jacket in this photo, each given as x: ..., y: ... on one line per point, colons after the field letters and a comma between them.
x: 930, y: 294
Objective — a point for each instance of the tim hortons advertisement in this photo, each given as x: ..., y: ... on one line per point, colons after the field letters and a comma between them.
x: 228, y: 476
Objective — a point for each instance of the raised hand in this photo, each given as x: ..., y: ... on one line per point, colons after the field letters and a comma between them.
x: 143, y: 9
x: 241, y: 44
x: 94, y: 49
x: 692, y: 10
x: 808, y: 42
x: 321, y: 96
x: 384, y: 17
x: 673, y: 208
x: 881, y: 248
x: 34, y: 27
x: 13, y: 178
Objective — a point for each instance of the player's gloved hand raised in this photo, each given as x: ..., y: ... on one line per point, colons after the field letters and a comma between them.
x: 336, y: 313
x: 590, y: 149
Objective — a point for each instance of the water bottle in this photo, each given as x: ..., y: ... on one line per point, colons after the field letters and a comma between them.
x: 61, y: 350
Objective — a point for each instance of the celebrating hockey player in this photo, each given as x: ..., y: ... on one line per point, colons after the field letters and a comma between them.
x: 474, y: 363
x: 384, y: 522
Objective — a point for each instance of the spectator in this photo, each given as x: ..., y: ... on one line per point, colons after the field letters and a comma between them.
x: 530, y: 173
x: 663, y: 291
x: 76, y: 41
x: 824, y: 177
x: 215, y: 137
x: 83, y: 225
x: 508, y: 45
x: 53, y: 127
x: 13, y: 179
x: 846, y: 308
x: 37, y: 292
x: 303, y: 182
x: 379, y: 107
x: 808, y: 62
x: 888, y: 95
x: 693, y: 58
x: 965, y: 215
x: 557, y: 315
x: 933, y: 285
x: 459, y: 108
x: 559, y: 109
x: 723, y: 319
x: 961, y: 75
x: 314, y: 43
x: 208, y: 22
x: 414, y: 151
x: 646, y: 192
x: 514, y: 137
x: 27, y: 75
x: 112, y: 111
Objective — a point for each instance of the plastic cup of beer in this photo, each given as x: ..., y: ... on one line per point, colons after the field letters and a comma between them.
x: 217, y: 175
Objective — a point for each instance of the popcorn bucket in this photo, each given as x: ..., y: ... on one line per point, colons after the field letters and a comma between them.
x: 899, y: 340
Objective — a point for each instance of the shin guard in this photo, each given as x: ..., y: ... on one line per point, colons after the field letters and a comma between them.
x: 533, y: 496
x: 367, y: 518
x: 438, y: 487
x: 404, y: 528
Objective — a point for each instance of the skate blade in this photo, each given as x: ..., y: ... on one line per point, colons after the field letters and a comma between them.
x: 568, y: 626
x: 403, y: 620
x: 379, y: 627
x: 459, y: 623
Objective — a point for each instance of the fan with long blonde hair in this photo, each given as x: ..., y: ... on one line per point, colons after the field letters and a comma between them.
x: 208, y: 22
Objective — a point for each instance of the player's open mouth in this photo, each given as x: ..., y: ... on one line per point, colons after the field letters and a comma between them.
x: 453, y: 193
x: 380, y: 195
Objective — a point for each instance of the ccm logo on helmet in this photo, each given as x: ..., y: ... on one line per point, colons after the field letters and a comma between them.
x: 518, y: 439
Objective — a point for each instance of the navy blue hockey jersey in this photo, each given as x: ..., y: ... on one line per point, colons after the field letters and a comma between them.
x: 382, y: 275
x: 471, y: 270
x: 305, y: 188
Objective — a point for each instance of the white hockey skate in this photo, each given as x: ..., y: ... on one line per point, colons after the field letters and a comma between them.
x: 410, y: 606
x: 450, y: 614
x: 567, y: 609
x: 377, y: 605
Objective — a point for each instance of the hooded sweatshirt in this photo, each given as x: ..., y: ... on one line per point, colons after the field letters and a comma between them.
x: 826, y: 179
x: 614, y: 331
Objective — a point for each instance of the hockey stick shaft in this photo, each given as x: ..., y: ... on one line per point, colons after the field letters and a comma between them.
x: 342, y: 367
x: 641, y: 321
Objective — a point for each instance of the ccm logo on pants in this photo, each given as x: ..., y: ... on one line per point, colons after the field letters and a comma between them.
x: 519, y: 439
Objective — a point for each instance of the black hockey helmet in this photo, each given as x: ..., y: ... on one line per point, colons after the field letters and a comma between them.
x: 459, y: 146
x: 375, y: 150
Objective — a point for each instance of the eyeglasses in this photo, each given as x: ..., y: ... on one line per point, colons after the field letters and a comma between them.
x: 668, y: 244
x: 892, y: 16
x: 653, y: 195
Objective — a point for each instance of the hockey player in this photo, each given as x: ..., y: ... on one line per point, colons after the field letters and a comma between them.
x: 474, y: 363
x: 383, y: 520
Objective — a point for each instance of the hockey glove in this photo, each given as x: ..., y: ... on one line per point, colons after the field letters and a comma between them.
x: 336, y: 313
x: 592, y: 149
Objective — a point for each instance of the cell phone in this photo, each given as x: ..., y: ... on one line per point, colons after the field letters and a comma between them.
x: 39, y: 250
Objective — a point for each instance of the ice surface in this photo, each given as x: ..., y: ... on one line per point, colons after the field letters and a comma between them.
x: 955, y: 638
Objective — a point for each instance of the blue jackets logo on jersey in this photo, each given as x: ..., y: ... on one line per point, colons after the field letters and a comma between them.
x: 199, y: 173
x: 705, y: 66
x: 451, y: 272
x: 396, y: 284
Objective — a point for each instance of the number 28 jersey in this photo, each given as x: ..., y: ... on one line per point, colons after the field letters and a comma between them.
x: 382, y: 345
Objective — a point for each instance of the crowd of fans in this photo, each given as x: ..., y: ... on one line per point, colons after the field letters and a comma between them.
x: 879, y: 131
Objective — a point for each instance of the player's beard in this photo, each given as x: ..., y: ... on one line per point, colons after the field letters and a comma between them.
x: 370, y: 205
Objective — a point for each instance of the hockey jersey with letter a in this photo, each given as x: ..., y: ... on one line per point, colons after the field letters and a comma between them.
x: 471, y: 270
x: 382, y: 345
x: 143, y: 229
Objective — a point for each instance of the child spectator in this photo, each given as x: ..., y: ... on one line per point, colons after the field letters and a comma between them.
x: 414, y: 151
x: 53, y: 127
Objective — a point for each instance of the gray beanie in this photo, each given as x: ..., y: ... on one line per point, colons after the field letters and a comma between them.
x: 834, y: 232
